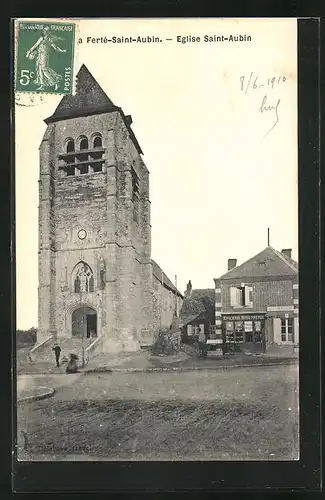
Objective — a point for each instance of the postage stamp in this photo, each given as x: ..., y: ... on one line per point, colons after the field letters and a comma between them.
x: 44, y: 56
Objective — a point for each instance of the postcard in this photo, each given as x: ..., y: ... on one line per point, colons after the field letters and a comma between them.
x: 156, y: 170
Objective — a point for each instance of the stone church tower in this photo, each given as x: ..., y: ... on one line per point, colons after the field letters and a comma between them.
x: 95, y: 272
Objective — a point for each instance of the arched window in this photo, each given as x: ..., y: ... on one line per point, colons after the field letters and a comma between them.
x: 83, y: 143
x: 70, y: 146
x: 83, y: 278
x: 97, y: 142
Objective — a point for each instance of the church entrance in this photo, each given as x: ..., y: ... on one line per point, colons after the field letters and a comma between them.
x: 84, y: 322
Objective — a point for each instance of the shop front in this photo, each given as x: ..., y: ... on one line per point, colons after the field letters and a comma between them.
x: 283, y: 328
x: 244, y: 332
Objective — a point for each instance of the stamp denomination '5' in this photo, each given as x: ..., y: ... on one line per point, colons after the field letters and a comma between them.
x: 44, y: 57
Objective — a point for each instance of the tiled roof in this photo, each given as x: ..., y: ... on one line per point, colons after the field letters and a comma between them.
x: 89, y: 95
x: 288, y: 259
x: 89, y: 99
x: 269, y: 262
x: 163, y: 278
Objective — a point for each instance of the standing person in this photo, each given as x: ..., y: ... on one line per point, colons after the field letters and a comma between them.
x: 202, y: 344
x: 57, y: 352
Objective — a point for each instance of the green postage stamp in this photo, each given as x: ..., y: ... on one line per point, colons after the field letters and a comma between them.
x: 44, y: 56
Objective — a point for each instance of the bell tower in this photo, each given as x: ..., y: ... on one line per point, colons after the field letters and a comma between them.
x: 95, y: 272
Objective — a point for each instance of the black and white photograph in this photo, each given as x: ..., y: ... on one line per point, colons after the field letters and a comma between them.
x: 157, y: 266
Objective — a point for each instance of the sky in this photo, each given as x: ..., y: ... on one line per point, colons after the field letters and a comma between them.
x: 221, y: 170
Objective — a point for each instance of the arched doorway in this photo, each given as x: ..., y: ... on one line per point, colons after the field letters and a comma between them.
x: 84, y: 322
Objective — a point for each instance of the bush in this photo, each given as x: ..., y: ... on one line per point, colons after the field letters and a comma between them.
x: 26, y: 337
x: 167, y: 342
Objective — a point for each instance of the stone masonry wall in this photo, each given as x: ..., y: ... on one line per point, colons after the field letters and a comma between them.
x: 132, y: 305
x: 164, y: 305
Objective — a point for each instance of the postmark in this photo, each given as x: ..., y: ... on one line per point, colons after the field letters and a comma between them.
x: 44, y: 57
x: 30, y: 100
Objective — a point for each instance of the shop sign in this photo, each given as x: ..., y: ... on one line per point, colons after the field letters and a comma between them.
x: 243, y: 317
x: 280, y: 308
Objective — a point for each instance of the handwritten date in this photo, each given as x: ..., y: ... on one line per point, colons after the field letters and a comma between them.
x: 253, y: 82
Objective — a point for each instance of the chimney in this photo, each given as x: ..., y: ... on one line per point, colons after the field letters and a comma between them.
x: 232, y: 263
x: 287, y: 252
x: 129, y: 119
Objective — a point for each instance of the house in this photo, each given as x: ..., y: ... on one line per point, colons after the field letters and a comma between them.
x: 197, y: 312
x: 257, y: 303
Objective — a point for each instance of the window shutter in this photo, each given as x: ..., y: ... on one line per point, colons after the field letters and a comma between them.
x: 277, y: 330
x: 240, y: 297
x: 296, y: 330
x: 233, y: 296
x: 248, y: 296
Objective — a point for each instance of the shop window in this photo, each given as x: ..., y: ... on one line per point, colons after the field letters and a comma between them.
x: 287, y: 330
x: 249, y: 337
x: 241, y: 296
x: 239, y: 331
x: 230, y: 337
x: 230, y: 331
x: 248, y: 326
x: 258, y: 326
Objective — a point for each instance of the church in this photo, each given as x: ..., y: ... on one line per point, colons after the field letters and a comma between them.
x: 97, y: 280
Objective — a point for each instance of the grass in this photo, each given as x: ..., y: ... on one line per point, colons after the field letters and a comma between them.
x: 229, y: 418
x: 165, y: 430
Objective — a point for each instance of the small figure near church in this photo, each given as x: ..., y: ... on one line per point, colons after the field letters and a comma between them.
x: 202, y: 344
x: 57, y: 352
x: 72, y: 366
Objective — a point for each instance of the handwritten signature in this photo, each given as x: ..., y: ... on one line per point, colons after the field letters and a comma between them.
x: 267, y: 107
